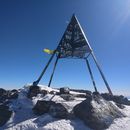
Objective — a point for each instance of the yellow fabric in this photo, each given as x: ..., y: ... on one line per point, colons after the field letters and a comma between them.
x: 48, y: 51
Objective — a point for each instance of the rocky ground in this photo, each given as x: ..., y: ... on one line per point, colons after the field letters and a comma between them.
x: 34, y: 107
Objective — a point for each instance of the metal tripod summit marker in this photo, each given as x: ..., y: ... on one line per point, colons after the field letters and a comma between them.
x: 74, y: 44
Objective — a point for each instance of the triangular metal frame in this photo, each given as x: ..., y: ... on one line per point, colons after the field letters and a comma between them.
x: 73, y: 43
x: 82, y: 56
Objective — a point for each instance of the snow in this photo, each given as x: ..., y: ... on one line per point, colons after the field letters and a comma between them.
x: 65, y: 125
x: 122, y: 123
x: 46, y: 122
x: 24, y: 119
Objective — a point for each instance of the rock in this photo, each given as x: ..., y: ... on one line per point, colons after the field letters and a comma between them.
x: 96, y: 93
x: 96, y: 112
x: 54, y: 92
x: 58, y: 110
x: 121, y: 100
x: 67, y: 97
x: 2, y: 91
x: 80, y: 95
x: 120, y: 105
x: 64, y: 90
x: 88, y: 93
x: 118, y: 99
x: 44, y: 92
x: 34, y: 90
x: 3, y: 95
x: 42, y: 107
x: 13, y: 94
x: 5, y: 114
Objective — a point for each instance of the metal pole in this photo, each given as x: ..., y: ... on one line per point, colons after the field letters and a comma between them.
x: 53, y: 71
x: 91, y: 75
x: 103, y: 77
x: 35, y: 83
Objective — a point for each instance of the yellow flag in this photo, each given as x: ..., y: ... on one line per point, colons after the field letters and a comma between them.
x: 48, y: 51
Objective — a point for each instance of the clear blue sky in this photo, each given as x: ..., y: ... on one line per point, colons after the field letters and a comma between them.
x: 28, y: 26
